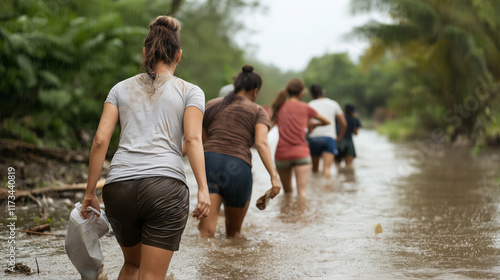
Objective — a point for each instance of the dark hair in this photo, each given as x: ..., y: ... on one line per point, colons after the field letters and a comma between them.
x: 293, y: 88
x: 246, y: 80
x: 316, y: 91
x: 349, y: 109
x: 162, y: 43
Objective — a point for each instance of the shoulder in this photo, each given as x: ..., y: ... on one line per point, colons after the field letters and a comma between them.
x: 214, y: 101
x: 305, y: 105
x: 185, y: 86
x: 314, y: 101
x: 249, y: 103
x: 332, y: 102
x: 129, y: 81
x: 334, y: 106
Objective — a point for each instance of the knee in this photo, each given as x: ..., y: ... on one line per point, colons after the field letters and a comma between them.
x: 206, y: 232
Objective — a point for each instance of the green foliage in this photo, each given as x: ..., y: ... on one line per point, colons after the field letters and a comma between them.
x: 210, y: 56
x: 403, y: 128
x: 59, y: 59
x: 346, y: 82
x: 273, y: 81
x: 340, y: 78
x: 455, y: 52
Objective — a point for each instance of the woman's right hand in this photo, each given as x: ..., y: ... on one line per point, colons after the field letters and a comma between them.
x: 204, y: 203
x: 276, y: 187
x: 89, y: 200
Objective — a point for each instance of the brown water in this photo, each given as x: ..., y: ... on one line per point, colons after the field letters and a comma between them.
x: 439, y: 213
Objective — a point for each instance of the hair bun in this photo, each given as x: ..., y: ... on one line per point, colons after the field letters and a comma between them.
x: 166, y: 21
x: 247, y: 69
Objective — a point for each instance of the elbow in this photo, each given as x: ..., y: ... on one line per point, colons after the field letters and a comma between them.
x: 192, y: 140
x: 261, y: 144
x: 99, y: 141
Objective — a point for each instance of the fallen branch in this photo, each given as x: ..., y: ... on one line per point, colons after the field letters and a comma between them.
x: 42, y: 233
x: 34, y: 151
x: 73, y: 187
x: 43, y: 211
x: 41, y: 228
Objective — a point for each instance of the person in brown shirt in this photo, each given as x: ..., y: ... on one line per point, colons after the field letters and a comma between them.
x: 232, y: 125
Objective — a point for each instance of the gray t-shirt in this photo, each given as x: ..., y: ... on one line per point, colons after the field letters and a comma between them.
x: 152, y: 131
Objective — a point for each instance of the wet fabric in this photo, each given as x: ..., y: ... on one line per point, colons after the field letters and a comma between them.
x: 232, y: 131
x: 151, y: 119
x: 318, y: 145
x: 152, y: 210
x: 346, y: 148
x: 292, y: 120
x: 230, y: 177
x: 330, y: 109
x: 352, y: 124
x: 287, y: 164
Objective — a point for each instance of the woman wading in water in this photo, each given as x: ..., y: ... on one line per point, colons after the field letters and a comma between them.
x: 231, y: 126
x: 146, y: 196
x: 292, y: 153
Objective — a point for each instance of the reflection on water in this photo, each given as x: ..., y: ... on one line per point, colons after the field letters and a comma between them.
x: 439, y: 213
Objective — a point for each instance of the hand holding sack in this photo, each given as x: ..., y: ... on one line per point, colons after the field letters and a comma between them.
x: 82, y: 241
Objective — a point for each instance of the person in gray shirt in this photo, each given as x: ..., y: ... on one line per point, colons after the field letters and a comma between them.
x: 145, y: 194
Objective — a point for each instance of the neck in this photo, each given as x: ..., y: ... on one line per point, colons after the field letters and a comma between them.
x: 162, y: 68
x: 245, y: 94
x: 294, y: 98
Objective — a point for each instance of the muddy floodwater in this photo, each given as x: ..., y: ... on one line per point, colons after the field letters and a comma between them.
x: 438, y: 208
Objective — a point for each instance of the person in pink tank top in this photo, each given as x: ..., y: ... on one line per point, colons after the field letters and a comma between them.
x: 292, y: 153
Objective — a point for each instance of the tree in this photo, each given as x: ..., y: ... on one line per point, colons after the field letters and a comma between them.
x: 59, y: 59
x: 456, y: 53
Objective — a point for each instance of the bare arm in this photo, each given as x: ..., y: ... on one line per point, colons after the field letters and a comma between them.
x: 262, y: 146
x: 356, y: 131
x: 343, y: 126
x: 193, y: 119
x: 107, y: 124
x: 322, y: 121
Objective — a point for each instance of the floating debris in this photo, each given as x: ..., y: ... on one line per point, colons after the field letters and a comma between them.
x: 19, y: 268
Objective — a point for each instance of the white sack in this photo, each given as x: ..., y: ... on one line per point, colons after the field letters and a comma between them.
x: 82, y: 241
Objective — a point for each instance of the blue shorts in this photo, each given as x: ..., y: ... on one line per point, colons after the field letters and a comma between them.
x: 318, y: 145
x: 230, y: 177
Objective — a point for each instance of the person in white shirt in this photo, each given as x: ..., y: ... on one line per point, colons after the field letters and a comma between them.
x: 323, y: 139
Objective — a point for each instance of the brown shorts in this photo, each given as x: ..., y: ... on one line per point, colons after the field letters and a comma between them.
x: 151, y: 210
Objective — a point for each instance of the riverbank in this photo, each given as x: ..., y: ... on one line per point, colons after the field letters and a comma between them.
x: 409, y: 129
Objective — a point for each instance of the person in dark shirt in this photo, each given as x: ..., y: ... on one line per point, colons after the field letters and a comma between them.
x: 346, y: 146
x: 232, y: 125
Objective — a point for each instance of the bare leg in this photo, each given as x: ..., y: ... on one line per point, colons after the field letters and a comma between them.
x: 234, y: 219
x: 208, y: 225
x: 302, y: 177
x: 315, y: 163
x: 130, y: 268
x: 327, y: 163
x: 154, y: 263
x: 348, y: 161
x: 286, y: 179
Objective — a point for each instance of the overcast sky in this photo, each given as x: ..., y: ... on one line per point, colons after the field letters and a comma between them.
x: 291, y: 32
